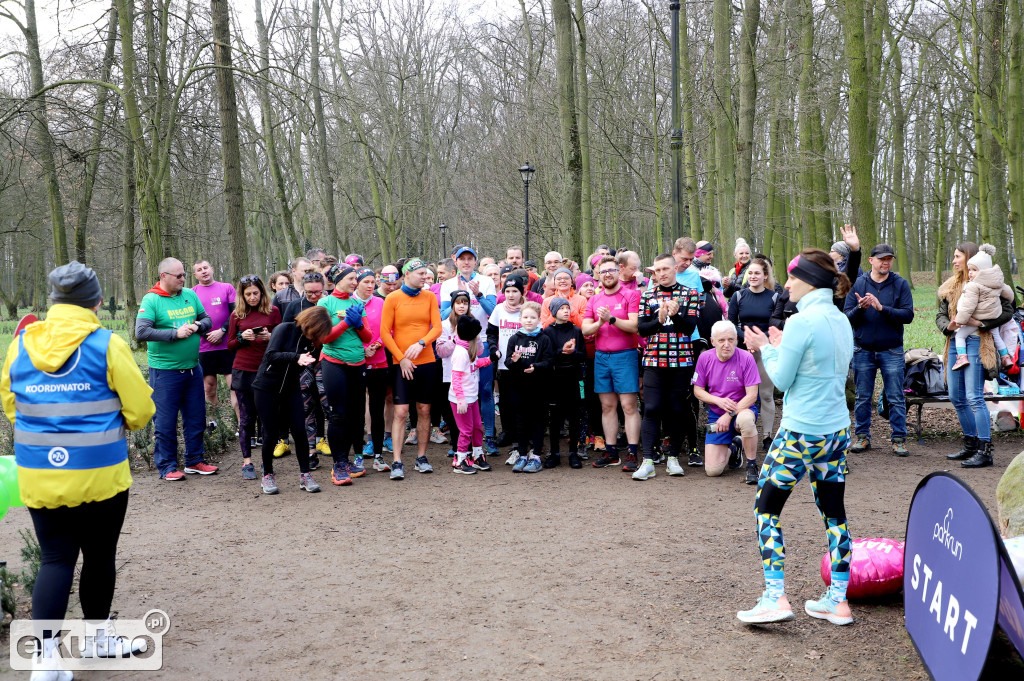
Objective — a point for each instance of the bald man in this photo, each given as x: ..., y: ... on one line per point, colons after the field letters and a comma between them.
x: 172, y: 320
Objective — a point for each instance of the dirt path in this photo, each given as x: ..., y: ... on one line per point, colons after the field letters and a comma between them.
x: 563, y: 575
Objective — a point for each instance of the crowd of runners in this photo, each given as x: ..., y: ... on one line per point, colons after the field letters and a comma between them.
x: 613, y: 363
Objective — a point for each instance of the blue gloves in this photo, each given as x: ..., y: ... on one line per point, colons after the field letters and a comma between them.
x: 354, y: 317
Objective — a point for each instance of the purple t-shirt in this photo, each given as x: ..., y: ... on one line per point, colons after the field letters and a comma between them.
x: 726, y: 379
x: 215, y: 299
x: 609, y: 337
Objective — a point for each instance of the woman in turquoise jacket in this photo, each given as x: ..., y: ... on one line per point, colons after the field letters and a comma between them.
x: 809, y: 362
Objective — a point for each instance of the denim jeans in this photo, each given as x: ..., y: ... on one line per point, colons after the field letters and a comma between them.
x: 487, y: 395
x: 177, y: 391
x: 967, y: 391
x: 891, y: 363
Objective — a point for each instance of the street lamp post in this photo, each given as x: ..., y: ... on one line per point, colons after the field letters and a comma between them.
x: 444, y: 241
x: 676, y: 144
x: 527, y: 172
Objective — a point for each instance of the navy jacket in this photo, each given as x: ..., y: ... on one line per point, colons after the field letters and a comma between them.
x: 880, y: 330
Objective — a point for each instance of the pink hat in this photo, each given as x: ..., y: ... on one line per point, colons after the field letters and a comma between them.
x: 582, y: 279
x: 792, y: 263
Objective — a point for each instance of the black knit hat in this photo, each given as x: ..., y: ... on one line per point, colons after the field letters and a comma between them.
x: 515, y: 281
x: 468, y: 328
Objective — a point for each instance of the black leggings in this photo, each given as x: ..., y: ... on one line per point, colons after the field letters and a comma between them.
x: 92, y: 528
x: 565, y: 403
x: 282, y: 413
x: 506, y: 384
x: 667, y: 401
x: 449, y: 416
x: 439, y: 394
x: 377, y: 382
x: 345, y: 385
x: 530, y: 409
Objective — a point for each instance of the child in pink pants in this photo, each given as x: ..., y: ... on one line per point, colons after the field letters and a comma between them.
x: 463, y: 395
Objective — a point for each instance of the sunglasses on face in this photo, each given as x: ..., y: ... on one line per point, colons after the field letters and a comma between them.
x: 249, y: 279
x: 176, y: 276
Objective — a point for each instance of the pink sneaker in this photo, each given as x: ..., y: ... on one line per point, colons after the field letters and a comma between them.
x: 961, y: 363
x: 174, y: 476
x: 202, y: 468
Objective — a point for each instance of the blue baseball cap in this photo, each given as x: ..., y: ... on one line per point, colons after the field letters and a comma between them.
x: 464, y: 249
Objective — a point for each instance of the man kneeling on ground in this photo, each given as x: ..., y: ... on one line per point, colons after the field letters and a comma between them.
x: 726, y: 381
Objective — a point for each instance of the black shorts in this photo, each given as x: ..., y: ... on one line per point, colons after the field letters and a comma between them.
x: 421, y: 389
x: 216, y: 362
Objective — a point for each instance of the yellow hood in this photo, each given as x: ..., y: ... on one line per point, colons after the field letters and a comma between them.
x: 51, y: 342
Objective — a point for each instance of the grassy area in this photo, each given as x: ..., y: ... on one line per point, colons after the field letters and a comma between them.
x: 117, y: 324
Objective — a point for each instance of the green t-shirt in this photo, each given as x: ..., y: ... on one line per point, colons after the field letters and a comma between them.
x: 170, y: 312
x: 348, y: 347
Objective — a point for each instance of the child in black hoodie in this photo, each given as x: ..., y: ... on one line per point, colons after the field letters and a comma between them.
x: 528, y: 356
x: 565, y: 393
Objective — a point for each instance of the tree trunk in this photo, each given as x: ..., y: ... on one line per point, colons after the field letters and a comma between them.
x: 230, y: 146
x: 586, y: 203
x: 131, y: 306
x: 745, y: 129
x: 92, y: 165
x: 41, y: 136
x: 336, y: 244
x: 993, y: 20
x: 861, y: 150
x: 725, y: 133
x: 1015, y: 128
x: 565, y: 70
x: 689, y: 102
x: 899, y: 132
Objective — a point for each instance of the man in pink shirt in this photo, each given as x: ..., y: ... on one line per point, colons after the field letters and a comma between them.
x: 218, y: 299
x: 612, y: 315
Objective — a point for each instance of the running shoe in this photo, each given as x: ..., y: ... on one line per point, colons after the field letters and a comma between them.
x: 174, y: 476
x: 533, y: 465
x: 753, y: 473
x: 575, y: 461
x: 281, y: 448
x: 452, y: 453
x: 389, y: 446
x: 268, y: 484
x: 356, y: 470
x: 437, y: 437
x: 212, y: 425
x: 735, y: 453
x: 861, y: 443
x: 464, y: 467
x: 672, y: 467
x: 598, y: 444
x: 695, y: 459
x: 553, y: 460
x: 368, y: 448
x: 423, y: 466
x: 767, y: 610
x: 202, y: 468
x: 379, y: 464
x: 306, y: 482
x: 607, y: 460
x: 582, y: 452
x: 491, y: 444
x: 322, y: 447
x: 645, y: 471
x: 521, y: 462
x: 249, y: 472
x: 339, y: 474
x: 314, y: 461
x: 766, y: 443
x: 513, y: 457
x: 479, y: 462
x: 826, y: 609
x: 412, y: 438
x: 899, y: 448
x: 397, y: 470
x: 631, y: 464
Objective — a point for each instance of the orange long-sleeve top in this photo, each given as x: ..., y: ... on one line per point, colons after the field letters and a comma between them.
x: 406, y: 319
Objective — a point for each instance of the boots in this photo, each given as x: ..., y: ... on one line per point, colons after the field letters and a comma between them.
x: 968, y: 450
x: 982, y: 457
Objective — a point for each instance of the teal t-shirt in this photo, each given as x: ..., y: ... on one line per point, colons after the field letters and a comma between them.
x: 170, y: 312
x: 347, y: 347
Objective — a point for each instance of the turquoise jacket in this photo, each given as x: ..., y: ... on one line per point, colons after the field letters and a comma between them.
x: 810, y: 366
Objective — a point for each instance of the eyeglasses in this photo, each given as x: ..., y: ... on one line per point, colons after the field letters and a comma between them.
x: 249, y: 279
x: 604, y: 272
x: 312, y: 276
x: 309, y: 271
x: 314, y: 294
x: 176, y: 276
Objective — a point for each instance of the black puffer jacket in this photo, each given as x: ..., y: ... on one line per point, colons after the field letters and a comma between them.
x: 279, y: 370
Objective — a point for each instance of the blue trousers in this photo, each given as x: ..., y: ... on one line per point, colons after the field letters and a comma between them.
x: 486, y: 396
x: 967, y: 392
x: 178, y: 391
x: 893, y: 367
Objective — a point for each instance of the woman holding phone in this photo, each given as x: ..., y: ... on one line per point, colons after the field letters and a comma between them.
x: 249, y: 330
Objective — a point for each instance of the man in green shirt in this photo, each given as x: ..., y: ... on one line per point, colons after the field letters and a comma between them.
x: 171, y: 320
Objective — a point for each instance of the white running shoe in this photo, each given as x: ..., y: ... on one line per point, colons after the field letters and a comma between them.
x: 412, y: 438
x: 672, y: 466
x: 437, y: 437
x: 513, y: 456
x: 645, y: 472
x: 767, y: 610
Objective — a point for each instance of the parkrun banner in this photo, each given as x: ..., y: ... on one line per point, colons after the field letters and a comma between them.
x: 958, y: 581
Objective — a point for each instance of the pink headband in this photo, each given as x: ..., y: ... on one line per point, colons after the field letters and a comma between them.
x: 701, y: 252
x: 792, y: 264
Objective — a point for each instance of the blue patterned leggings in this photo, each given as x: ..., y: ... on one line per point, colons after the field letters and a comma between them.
x: 791, y: 456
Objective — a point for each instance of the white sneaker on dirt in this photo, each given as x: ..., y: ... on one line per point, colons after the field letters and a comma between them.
x: 513, y: 456
x: 645, y: 472
x: 767, y: 610
x: 412, y: 438
x: 672, y: 466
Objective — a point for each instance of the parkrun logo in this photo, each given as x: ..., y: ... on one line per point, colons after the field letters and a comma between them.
x: 942, y: 535
x: 57, y: 387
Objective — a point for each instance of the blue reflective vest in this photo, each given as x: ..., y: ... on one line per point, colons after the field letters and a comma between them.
x: 69, y: 419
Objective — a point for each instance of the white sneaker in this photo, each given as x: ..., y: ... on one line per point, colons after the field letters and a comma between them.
x: 437, y: 437
x: 645, y: 472
x: 101, y: 640
x: 412, y: 438
x: 513, y: 456
x: 47, y: 667
x: 673, y: 468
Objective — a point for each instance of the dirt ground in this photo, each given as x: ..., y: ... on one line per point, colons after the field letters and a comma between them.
x: 562, y: 575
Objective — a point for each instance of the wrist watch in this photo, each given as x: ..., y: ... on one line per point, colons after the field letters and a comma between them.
x: 422, y: 343
x: 612, y: 319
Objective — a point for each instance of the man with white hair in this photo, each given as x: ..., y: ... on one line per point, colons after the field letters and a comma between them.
x: 726, y: 381
x: 552, y: 261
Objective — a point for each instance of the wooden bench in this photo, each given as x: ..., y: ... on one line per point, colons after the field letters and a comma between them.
x: 920, y: 401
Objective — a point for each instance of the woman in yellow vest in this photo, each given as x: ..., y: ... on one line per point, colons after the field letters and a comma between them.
x: 72, y: 388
